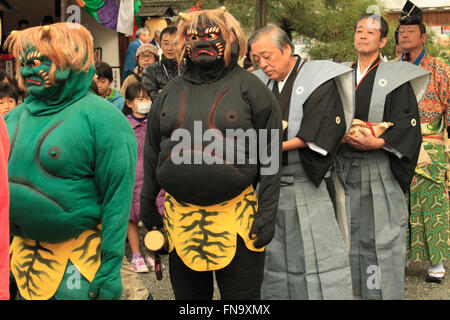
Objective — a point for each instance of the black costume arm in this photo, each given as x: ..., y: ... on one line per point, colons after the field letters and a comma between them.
x: 405, y: 136
x: 266, y: 115
x: 150, y: 188
x: 323, y: 123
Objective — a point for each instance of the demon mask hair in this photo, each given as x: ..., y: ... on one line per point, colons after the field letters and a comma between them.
x: 208, y: 36
x: 50, y: 51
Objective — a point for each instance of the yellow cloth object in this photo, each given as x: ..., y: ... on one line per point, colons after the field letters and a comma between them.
x: 39, y: 267
x: 128, y: 81
x: 433, y: 134
x: 424, y: 158
x: 376, y: 129
x: 205, y: 236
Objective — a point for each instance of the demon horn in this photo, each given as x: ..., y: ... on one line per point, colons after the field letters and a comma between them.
x: 184, y: 16
x: 45, y: 32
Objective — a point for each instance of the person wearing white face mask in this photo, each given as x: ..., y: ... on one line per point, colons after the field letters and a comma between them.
x: 136, y: 108
x: 143, y: 107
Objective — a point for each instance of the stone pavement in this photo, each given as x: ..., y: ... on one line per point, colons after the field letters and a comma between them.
x: 160, y: 290
x: 417, y: 289
x: 415, y: 286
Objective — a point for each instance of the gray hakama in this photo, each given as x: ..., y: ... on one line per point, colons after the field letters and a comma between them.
x: 307, y: 260
x: 308, y: 256
x: 374, y: 189
x: 379, y: 213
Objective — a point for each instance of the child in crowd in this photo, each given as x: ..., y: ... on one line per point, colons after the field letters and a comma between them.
x: 93, y: 87
x: 103, y: 79
x: 137, y: 106
x: 21, y: 94
x: 8, y: 98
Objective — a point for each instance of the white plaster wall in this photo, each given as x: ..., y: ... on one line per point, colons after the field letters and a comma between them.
x: 105, y: 38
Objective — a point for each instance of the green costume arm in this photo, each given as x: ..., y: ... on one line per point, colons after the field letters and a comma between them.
x: 115, y: 154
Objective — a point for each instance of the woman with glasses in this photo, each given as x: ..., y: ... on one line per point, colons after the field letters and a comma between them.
x: 145, y: 56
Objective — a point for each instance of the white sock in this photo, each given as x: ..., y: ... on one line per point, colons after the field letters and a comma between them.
x: 436, y: 268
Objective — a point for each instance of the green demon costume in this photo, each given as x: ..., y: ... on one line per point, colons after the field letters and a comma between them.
x: 71, y: 173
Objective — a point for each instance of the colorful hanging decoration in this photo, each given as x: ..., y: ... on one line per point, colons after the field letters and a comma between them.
x: 118, y: 16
